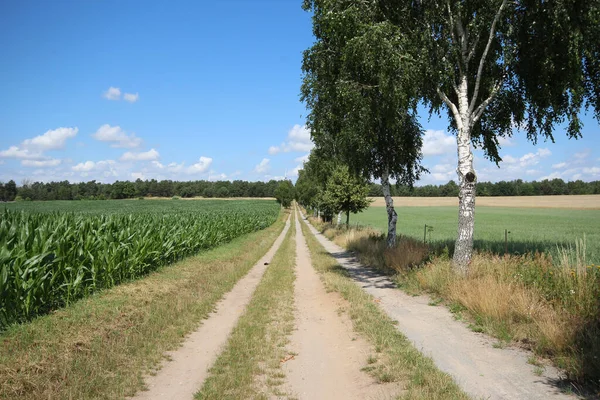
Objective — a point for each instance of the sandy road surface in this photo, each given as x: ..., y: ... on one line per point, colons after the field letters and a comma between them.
x: 481, y: 370
x: 183, y: 376
x: 329, y: 355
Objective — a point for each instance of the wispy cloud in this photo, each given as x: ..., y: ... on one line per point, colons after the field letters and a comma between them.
x: 130, y: 97
x: 263, y: 166
x: 149, y: 155
x: 113, y: 93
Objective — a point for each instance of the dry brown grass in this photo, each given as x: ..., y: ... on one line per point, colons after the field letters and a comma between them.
x: 590, y: 202
x: 372, y: 250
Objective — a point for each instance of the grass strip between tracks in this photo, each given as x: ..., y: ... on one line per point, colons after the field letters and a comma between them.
x: 395, y: 359
x: 101, y: 346
x: 250, y: 365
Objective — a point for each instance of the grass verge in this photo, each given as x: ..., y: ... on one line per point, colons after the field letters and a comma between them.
x: 396, y: 360
x: 249, y: 367
x: 100, y: 347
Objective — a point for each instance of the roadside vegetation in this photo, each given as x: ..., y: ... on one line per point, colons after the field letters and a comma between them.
x: 549, y: 304
x: 250, y: 365
x: 100, y: 346
x: 51, y: 259
x: 395, y: 359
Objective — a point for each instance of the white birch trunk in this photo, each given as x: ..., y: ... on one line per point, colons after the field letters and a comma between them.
x: 339, y: 218
x: 463, y: 250
x: 391, y: 212
x: 466, y: 115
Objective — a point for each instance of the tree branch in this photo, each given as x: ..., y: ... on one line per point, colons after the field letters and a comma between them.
x: 452, y: 34
x: 450, y: 105
x: 481, y: 108
x: 484, y: 56
x: 472, y: 51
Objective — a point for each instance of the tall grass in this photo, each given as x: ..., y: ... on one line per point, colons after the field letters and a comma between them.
x: 48, y: 260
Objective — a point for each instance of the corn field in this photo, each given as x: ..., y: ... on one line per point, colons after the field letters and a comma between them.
x: 49, y: 259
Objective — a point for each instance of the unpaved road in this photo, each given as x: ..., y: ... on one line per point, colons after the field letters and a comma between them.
x: 183, y: 376
x: 478, y: 368
x: 329, y: 355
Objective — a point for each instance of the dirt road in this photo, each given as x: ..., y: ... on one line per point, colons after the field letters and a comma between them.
x: 183, y: 375
x: 329, y: 355
x: 480, y: 369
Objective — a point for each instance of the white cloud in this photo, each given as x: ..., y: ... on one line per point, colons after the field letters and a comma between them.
x: 84, y: 167
x: 593, y: 171
x: 544, y: 152
x: 275, y: 149
x: 53, y: 162
x: 263, y: 166
x: 528, y: 159
x: 138, y: 175
x: 201, y: 166
x: 149, y: 155
x: 117, y: 136
x: 130, y: 97
x: 174, y: 167
x: 443, y: 172
x: 158, y: 164
x: 95, y: 166
x: 213, y: 176
x: 559, y: 165
x: 112, y: 93
x: 298, y: 139
x: 582, y: 155
x: 436, y: 143
x: 24, y: 154
x: 51, y: 140
x: 31, y: 151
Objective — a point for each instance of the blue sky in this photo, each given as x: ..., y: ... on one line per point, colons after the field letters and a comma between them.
x: 119, y: 90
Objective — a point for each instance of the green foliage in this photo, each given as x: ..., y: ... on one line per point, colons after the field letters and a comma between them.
x: 48, y: 259
x: 542, y: 65
x: 285, y: 193
x: 346, y: 193
x: 360, y: 91
x: 152, y: 188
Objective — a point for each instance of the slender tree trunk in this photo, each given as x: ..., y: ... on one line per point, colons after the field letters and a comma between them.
x: 391, y: 212
x: 339, y: 218
x: 348, y: 218
x: 463, y: 250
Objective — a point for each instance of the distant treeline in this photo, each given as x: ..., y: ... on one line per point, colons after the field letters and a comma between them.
x: 125, y: 190
x: 166, y: 188
x: 502, y: 188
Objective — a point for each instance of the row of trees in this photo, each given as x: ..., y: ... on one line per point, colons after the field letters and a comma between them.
x: 327, y: 187
x: 140, y: 188
x: 8, y: 191
x: 489, y: 65
x: 503, y: 188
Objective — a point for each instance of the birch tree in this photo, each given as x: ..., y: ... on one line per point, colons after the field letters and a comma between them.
x: 361, y: 96
x: 496, y: 64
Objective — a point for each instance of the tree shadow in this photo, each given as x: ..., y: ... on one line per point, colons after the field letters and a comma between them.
x: 365, y: 275
x: 512, y: 247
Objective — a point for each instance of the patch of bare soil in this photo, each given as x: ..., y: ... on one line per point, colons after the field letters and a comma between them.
x: 327, y: 355
x: 183, y: 375
x: 481, y: 370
